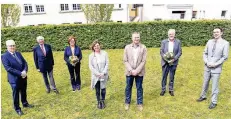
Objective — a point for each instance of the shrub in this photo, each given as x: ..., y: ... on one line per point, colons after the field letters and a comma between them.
x: 115, y: 35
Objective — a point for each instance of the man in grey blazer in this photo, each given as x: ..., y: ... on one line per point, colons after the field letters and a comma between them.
x: 215, y: 54
x: 169, y: 45
x: 134, y: 59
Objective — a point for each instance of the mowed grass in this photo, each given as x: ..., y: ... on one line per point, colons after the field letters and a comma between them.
x: 82, y: 104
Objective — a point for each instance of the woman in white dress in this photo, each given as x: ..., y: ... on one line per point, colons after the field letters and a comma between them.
x: 98, y: 64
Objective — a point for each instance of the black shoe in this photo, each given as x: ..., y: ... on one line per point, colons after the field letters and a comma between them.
x: 212, y: 105
x: 103, y: 104
x: 28, y: 106
x: 78, y: 87
x: 201, y: 99
x: 99, y: 105
x: 20, y: 113
x: 162, y: 93
x: 171, y: 93
x: 56, y: 91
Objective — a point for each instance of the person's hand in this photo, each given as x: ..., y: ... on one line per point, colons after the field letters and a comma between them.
x: 171, y: 61
x: 23, y: 74
x: 101, y: 75
x: 210, y: 64
x: 134, y: 72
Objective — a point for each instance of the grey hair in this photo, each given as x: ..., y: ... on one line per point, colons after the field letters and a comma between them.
x: 135, y: 33
x: 39, y: 38
x: 172, y: 30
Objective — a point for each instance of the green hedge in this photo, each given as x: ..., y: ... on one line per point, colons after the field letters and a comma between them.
x: 115, y: 35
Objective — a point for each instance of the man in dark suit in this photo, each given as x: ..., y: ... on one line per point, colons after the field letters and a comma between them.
x: 44, y: 62
x: 16, y: 67
x: 174, y: 46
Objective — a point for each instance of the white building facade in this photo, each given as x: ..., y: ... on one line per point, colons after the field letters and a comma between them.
x: 186, y: 11
x: 32, y: 14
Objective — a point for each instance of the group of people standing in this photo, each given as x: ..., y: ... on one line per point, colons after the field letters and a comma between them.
x: 135, y: 54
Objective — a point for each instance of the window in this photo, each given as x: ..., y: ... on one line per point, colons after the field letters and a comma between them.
x: 194, y: 14
x: 77, y: 22
x: 178, y: 14
x: 158, y: 4
x: 41, y: 24
x: 117, y: 6
x: 28, y: 8
x: 120, y: 6
x: 64, y: 7
x: 223, y: 13
x: 40, y: 8
x: 76, y: 6
x: 134, y: 6
x: 158, y: 19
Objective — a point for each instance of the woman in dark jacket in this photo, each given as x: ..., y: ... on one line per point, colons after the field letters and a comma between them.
x: 73, y: 56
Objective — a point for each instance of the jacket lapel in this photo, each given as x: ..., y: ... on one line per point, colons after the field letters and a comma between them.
x: 140, y: 53
x: 46, y: 48
x: 166, y: 46
x: 175, y: 46
x: 12, y: 57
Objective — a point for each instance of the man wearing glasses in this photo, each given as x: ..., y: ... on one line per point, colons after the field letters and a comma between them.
x: 215, y: 54
x: 16, y: 67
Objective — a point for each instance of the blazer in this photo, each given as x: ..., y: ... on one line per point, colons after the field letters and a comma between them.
x: 220, y: 55
x: 68, y: 52
x: 128, y: 60
x: 98, y: 67
x: 176, y: 50
x: 12, y: 66
x: 43, y: 63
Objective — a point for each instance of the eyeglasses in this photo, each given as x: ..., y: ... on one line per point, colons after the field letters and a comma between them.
x: 11, y: 45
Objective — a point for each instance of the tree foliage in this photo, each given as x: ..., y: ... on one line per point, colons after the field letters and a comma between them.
x: 10, y: 14
x: 95, y: 13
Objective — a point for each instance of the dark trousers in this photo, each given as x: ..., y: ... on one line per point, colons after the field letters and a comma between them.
x: 97, y: 90
x: 128, y: 90
x: 74, y: 72
x: 19, y: 88
x: 51, y: 77
x: 165, y: 70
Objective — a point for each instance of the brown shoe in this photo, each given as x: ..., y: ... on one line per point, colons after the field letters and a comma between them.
x: 140, y: 107
x: 126, y: 106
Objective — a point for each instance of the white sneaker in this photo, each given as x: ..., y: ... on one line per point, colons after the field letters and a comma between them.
x: 126, y: 106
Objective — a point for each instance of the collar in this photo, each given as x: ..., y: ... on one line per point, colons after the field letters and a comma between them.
x: 11, y: 53
x: 171, y: 41
x: 41, y: 45
x: 135, y: 46
x: 217, y: 40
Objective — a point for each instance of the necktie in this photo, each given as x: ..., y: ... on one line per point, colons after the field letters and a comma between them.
x: 44, y: 52
x: 214, y: 48
x: 15, y: 56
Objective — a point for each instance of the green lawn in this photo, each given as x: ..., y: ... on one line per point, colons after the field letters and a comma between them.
x: 82, y: 104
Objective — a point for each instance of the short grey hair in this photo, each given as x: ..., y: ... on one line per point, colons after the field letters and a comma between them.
x: 40, y: 38
x: 172, y: 30
x: 135, y: 33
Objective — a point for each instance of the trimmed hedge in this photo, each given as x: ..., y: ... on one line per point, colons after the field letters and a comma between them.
x: 115, y: 35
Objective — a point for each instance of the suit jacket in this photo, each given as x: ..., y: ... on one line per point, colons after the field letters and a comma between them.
x: 43, y: 63
x: 219, y: 57
x: 128, y: 59
x: 68, y: 53
x: 176, y: 50
x: 12, y: 66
